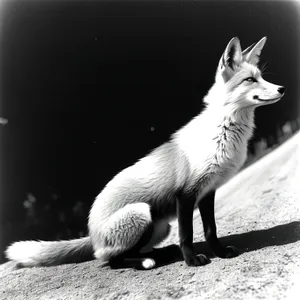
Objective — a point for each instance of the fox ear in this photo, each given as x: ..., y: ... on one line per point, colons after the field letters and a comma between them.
x: 247, y: 50
x: 232, y: 54
x: 252, y: 53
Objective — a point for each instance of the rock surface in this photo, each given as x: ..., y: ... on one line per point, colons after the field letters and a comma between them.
x: 258, y: 211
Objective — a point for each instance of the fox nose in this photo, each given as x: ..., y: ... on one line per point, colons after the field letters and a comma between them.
x: 281, y: 90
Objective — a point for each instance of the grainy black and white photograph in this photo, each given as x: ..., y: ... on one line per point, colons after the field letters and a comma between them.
x: 149, y: 149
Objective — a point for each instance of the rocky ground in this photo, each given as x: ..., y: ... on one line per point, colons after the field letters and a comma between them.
x: 258, y: 211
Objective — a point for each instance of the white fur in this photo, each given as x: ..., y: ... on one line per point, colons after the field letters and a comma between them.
x: 44, y: 253
x: 205, y: 155
x: 25, y: 252
x: 135, y: 217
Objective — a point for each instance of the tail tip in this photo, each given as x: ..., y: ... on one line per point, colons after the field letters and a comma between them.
x: 22, y: 253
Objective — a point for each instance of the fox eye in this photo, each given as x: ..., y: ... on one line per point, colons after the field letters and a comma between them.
x: 250, y: 79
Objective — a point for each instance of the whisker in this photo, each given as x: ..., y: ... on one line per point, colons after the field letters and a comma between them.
x: 263, y: 67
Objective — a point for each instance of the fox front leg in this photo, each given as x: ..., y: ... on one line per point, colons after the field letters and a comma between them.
x: 207, y: 211
x: 185, y: 209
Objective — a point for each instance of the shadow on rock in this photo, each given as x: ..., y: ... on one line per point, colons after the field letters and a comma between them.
x: 255, y: 240
x: 245, y: 242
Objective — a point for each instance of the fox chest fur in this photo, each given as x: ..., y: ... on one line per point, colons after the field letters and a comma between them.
x: 220, y: 151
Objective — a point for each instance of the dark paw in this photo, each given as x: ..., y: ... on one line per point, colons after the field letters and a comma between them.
x: 228, y: 252
x: 197, y: 260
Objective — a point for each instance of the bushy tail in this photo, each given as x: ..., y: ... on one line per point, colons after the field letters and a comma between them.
x: 42, y: 253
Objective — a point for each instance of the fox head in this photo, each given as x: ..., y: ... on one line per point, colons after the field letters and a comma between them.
x: 240, y: 79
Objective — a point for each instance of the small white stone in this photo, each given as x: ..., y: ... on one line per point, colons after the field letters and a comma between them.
x: 148, y: 263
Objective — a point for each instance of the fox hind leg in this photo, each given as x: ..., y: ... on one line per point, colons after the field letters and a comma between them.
x: 128, y: 237
x: 129, y: 228
x: 143, y: 255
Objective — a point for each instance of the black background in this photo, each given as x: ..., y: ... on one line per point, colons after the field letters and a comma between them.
x: 88, y: 87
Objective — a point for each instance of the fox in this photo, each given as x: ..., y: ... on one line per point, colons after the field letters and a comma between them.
x: 131, y: 214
